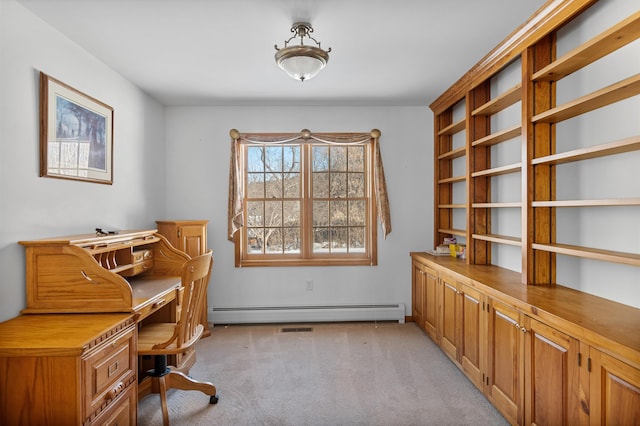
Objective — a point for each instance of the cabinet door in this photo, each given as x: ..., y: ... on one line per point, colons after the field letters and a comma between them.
x: 425, y: 299
x: 451, y: 318
x: 473, y: 326
x: 417, y: 301
x: 193, y: 239
x: 504, y: 361
x: 615, y: 391
x: 431, y: 301
x: 552, y: 376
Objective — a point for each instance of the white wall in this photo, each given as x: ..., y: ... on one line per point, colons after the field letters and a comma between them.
x: 198, y: 146
x: 32, y: 207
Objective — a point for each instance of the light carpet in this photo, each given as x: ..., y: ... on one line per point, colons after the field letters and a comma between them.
x: 337, y: 374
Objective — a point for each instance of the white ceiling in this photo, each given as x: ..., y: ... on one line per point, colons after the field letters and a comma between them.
x: 221, y: 52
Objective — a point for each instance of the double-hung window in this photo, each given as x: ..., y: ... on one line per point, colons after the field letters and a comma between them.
x: 305, y: 200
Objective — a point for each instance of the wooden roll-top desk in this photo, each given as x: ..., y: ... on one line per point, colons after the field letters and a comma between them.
x: 85, y: 296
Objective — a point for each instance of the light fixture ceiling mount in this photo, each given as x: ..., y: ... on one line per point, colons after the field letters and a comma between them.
x: 301, y: 61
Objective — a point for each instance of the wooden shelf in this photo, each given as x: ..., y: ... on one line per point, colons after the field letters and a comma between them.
x: 453, y: 128
x: 456, y: 153
x: 611, y: 94
x: 588, y: 203
x: 122, y: 268
x: 591, y: 253
x: 499, y: 103
x: 458, y: 232
x: 604, y: 150
x: 496, y: 205
x: 609, y: 41
x: 498, y: 137
x: 454, y: 179
x: 452, y: 206
x: 500, y: 239
x: 496, y: 171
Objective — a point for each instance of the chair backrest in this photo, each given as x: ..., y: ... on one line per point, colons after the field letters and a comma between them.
x: 195, y: 278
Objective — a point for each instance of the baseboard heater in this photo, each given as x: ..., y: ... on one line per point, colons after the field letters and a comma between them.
x: 286, y: 314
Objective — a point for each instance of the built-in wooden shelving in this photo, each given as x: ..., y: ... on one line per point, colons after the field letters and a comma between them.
x: 535, y: 133
x: 499, y: 103
x: 609, y: 41
x: 453, y: 154
x: 456, y: 232
x: 453, y: 128
x: 498, y: 137
x: 611, y: 94
x: 500, y: 239
x: 501, y: 205
x: 591, y: 253
x: 588, y: 203
x: 453, y: 179
x: 603, y: 150
x: 496, y: 171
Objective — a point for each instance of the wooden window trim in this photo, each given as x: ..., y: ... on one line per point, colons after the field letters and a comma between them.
x: 306, y: 258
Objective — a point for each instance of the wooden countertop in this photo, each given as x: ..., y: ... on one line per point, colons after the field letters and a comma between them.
x: 58, y: 334
x: 599, y: 322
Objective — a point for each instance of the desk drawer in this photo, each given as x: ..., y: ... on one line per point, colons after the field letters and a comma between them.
x: 123, y: 411
x: 110, y: 370
x: 141, y: 255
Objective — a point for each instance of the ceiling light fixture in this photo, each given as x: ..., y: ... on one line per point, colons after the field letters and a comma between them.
x: 301, y: 61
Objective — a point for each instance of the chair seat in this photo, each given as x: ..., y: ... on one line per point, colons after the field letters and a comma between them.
x: 152, y: 334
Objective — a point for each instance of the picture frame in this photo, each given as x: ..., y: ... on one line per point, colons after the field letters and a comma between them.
x: 76, y: 134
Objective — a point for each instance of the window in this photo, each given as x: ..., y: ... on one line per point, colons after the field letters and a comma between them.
x: 305, y: 201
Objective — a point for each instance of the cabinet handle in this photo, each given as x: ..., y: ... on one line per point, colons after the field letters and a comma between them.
x: 158, y: 304
x: 88, y: 278
x: 114, y: 392
x: 524, y: 330
x: 517, y: 325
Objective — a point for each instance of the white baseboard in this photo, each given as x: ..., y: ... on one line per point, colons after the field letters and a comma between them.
x: 287, y: 314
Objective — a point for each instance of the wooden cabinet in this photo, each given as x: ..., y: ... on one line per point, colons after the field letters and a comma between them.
x: 68, y: 369
x: 425, y: 299
x: 190, y: 236
x: 540, y: 355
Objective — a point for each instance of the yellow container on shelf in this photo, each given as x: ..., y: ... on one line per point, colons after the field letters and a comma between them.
x: 453, y: 250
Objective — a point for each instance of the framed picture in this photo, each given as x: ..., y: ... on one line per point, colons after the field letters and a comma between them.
x: 76, y: 134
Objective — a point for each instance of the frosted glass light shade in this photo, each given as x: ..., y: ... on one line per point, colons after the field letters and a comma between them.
x: 302, y: 62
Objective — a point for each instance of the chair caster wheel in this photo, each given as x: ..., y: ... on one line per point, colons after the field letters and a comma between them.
x: 213, y: 399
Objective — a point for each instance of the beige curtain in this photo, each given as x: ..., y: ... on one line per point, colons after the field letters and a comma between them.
x: 236, y: 191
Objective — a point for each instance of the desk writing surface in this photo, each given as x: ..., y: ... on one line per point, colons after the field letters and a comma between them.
x: 56, y: 334
x: 151, y: 289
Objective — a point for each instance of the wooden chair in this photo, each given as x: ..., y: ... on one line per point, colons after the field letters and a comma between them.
x: 162, y: 339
